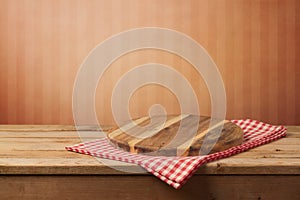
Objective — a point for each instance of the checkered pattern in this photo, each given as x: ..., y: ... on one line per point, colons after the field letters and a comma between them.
x: 175, y: 171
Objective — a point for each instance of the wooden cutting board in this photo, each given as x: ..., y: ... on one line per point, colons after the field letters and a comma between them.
x: 165, y: 139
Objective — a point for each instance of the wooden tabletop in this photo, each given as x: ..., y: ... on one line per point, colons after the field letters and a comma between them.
x: 26, y: 149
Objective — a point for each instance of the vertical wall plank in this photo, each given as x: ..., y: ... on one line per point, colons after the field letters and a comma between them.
x: 4, y: 62
x: 297, y: 61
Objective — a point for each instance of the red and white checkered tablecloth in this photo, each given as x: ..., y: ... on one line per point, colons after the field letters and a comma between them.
x: 175, y: 171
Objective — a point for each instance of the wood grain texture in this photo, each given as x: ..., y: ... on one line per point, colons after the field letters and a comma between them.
x: 175, y: 136
x: 43, y: 153
x: 51, y: 128
x: 255, y: 44
x: 146, y: 187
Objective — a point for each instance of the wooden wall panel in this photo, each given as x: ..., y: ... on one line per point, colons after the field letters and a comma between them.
x: 255, y: 44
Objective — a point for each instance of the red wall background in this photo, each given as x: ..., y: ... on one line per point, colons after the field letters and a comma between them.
x: 255, y: 44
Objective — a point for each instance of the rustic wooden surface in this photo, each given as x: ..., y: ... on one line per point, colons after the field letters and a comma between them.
x: 199, y: 187
x: 35, y: 165
x: 42, y: 152
x: 163, y: 137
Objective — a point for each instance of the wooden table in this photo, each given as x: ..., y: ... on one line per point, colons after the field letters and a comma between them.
x: 35, y: 165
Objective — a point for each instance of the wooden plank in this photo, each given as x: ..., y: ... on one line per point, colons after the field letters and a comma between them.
x: 293, y: 129
x: 47, y: 128
x: 146, y: 187
x: 76, y: 166
x: 32, y: 128
x: 269, y: 154
x: 89, y: 165
x: 293, y: 134
x: 283, y: 143
x: 42, y: 145
x: 50, y: 134
x: 62, y: 154
x: 59, y: 144
x: 17, y: 151
x: 237, y: 165
x: 287, y: 141
x: 279, y: 147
